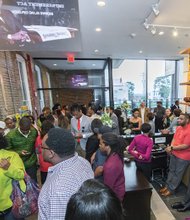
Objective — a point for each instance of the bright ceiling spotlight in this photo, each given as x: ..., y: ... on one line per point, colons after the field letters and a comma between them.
x: 161, y: 33
x: 175, y: 32
x: 101, y: 3
x: 153, y: 30
x: 155, y: 9
x: 146, y: 25
x: 98, y: 29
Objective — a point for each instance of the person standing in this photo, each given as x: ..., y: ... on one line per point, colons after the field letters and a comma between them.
x: 113, y: 173
x: 168, y: 118
x: 10, y: 124
x: 115, y: 123
x: 11, y: 168
x: 80, y: 128
x: 22, y: 141
x: 174, y: 124
x: 175, y: 106
x: 143, y: 111
x: 135, y: 122
x: 46, y: 126
x: 66, y: 175
x: 159, y: 112
x: 179, y: 155
x: 93, y: 143
x: 91, y: 112
x: 184, y: 205
x: 151, y: 122
x: 141, y: 148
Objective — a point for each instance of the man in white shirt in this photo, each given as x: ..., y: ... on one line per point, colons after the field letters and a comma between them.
x: 80, y: 128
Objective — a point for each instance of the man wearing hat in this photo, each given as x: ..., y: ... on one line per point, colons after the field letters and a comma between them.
x: 66, y: 175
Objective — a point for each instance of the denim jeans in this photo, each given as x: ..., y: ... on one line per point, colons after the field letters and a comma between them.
x: 10, y: 216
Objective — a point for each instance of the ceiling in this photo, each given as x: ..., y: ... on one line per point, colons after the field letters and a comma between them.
x: 118, y: 20
x: 77, y: 65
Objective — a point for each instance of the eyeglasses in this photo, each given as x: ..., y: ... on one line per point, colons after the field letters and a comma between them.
x: 45, y: 148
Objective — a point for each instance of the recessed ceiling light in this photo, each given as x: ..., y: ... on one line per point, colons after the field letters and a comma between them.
x: 161, y: 33
x: 146, y: 25
x: 55, y: 64
x: 98, y: 29
x: 175, y: 32
x: 96, y: 51
x: 101, y: 3
x: 140, y: 51
x: 153, y: 30
x: 93, y: 64
x: 133, y: 35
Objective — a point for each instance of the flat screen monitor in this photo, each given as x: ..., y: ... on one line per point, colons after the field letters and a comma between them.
x: 77, y: 80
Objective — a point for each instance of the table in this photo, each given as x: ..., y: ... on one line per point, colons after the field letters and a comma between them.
x: 166, y: 138
x: 138, y: 193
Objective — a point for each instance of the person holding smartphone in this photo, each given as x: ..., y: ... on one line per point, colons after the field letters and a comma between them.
x: 22, y: 141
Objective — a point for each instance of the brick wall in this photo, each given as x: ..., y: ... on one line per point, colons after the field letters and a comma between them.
x: 67, y: 96
x: 10, y: 86
x: 10, y: 90
x: 70, y: 96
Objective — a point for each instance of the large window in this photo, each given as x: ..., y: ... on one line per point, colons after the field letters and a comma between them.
x: 50, y: 91
x: 145, y: 80
x: 160, y: 80
x: 39, y: 85
x: 24, y: 82
x: 129, y: 81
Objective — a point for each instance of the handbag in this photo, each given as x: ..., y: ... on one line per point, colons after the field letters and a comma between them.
x: 25, y: 203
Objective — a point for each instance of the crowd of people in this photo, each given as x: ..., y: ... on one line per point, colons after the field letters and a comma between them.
x: 78, y: 156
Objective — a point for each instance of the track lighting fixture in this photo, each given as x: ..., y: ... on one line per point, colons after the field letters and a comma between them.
x: 153, y: 30
x: 146, y: 25
x: 155, y: 9
x: 159, y: 28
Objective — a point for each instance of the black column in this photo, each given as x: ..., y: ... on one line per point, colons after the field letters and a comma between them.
x: 146, y: 82
x: 109, y: 62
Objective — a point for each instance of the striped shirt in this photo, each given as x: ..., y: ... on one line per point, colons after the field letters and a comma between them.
x: 63, y: 180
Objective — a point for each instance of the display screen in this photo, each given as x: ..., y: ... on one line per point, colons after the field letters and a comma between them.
x: 26, y: 23
x: 77, y: 80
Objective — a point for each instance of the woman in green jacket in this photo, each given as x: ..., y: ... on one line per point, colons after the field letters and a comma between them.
x: 11, y: 167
